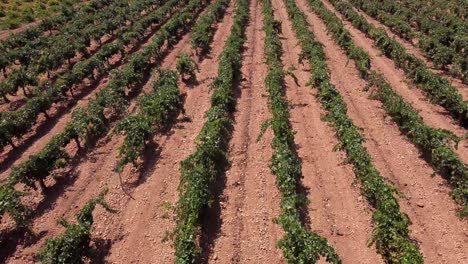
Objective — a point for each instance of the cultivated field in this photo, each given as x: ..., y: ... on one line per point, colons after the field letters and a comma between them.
x: 16, y: 13
x: 235, y: 131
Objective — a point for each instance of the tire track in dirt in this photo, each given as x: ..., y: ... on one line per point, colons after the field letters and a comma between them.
x: 441, y: 235
x: 337, y: 211
x: 418, y: 53
x: 250, y: 199
x: 96, y: 172
x: 433, y: 115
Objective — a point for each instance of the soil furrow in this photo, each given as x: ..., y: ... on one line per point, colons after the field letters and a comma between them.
x: 433, y: 115
x: 146, y: 219
x: 411, y: 49
x: 4, y: 34
x: 441, y: 235
x: 250, y: 199
x: 96, y: 172
x: 337, y: 211
x: 20, y: 98
x: 60, y: 114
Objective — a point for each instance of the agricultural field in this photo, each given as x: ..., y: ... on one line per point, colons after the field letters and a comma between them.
x: 16, y: 13
x: 234, y: 131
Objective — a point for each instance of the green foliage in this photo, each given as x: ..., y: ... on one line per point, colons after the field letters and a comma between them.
x: 10, y: 203
x: 438, y: 89
x: 202, y: 32
x: 17, y: 13
x: 157, y: 109
x: 91, y: 121
x: 186, y: 66
x: 299, y: 245
x: 434, y: 143
x: 391, y: 232
x: 442, y: 36
x: 19, y: 122
x: 202, y: 168
x: 137, y: 130
x: 73, y: 245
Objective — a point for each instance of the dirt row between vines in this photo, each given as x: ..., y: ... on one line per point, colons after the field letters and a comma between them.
x: 433, y: 115
x: 4, y: 34
x: 241, y: 228
x: 249, y: 197
x: 441, y: 235
x: 61, y: 113
x: 95, y: 172
x: 337, y: 211
x: 414, y: 50
x: 37, y: 139
x: 20, y: 98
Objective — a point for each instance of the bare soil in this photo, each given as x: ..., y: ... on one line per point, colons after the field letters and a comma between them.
x: 414, y: 50
x: 250, y: 199
x: 4, y: 34
x: 239, y: 228
x: 337, y: 211
x: 432, y: 114
x: 440, y: 234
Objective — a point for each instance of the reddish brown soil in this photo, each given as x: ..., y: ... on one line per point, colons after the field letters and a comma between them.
x: 6, y: 33
x: 156, y: 179
x: 439, y: 232
x: 20, y: 99
x: 60, y: 115
x: 412, y: 49
x: 250, y: 199
x: 146, y: 221
x: 337, y: 211
x: 433, y: 115
x: 241, y: 229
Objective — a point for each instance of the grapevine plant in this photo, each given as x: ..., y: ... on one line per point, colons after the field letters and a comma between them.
x: 434, y: 143
x: 157, y: 109
x: 202, y: 32
x: 92, y: 121
x: 204, y: 167
x: 438, y: 89
x: 299, y: 245
x: 187, y: 67
x: 73, y: 246
x: 391, y: 233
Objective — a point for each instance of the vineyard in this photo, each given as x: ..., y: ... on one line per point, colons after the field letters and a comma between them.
x: 14, y: 14
x: 234, y: 131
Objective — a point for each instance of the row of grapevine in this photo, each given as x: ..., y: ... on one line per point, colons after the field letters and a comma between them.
x: 299, y: 245
x: 442, y: 11
x: 92, y: 122
x: 158, y: 108
x: 204, y: 167
x: 15, y: 44
x: 31, y: 49
x: 391, y: 232
x: 202, y: 33
x: 444, y: 44
x: 438, y: 89
x: 15, y: 124
x: 76, y: 37
x: 73, y: 245
x: 14, y: 14
x: 431, y: 141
